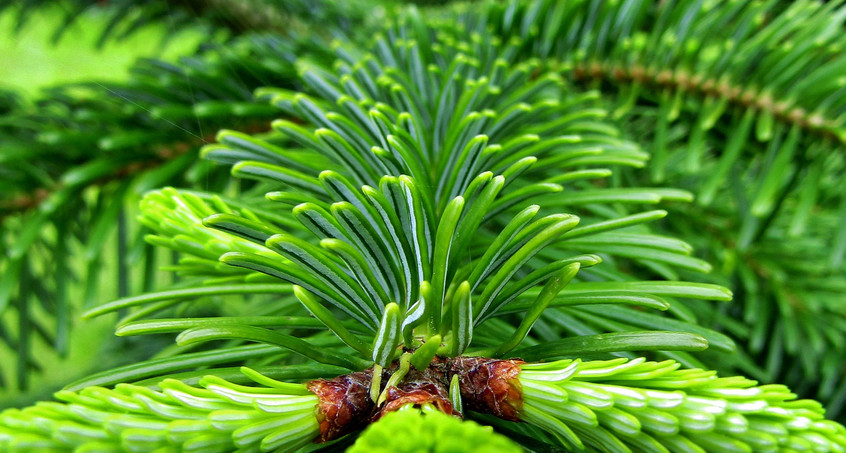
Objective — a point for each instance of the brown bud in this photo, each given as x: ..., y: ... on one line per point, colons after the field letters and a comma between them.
x: 417, y: 395
x: 421, y: 387
x: 344, y: 403
x: 490, y: 386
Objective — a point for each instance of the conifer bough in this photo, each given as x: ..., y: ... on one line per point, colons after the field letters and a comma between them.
x: 615, y: 405
x: 434, y: 204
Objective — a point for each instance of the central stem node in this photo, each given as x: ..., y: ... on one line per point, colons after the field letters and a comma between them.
x: 486, y: 385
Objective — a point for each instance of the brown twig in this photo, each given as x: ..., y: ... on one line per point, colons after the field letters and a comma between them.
x: 162, y: 154
x: 734, y: 93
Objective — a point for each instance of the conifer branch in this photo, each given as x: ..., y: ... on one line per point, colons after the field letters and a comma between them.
x: 440, y: 197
